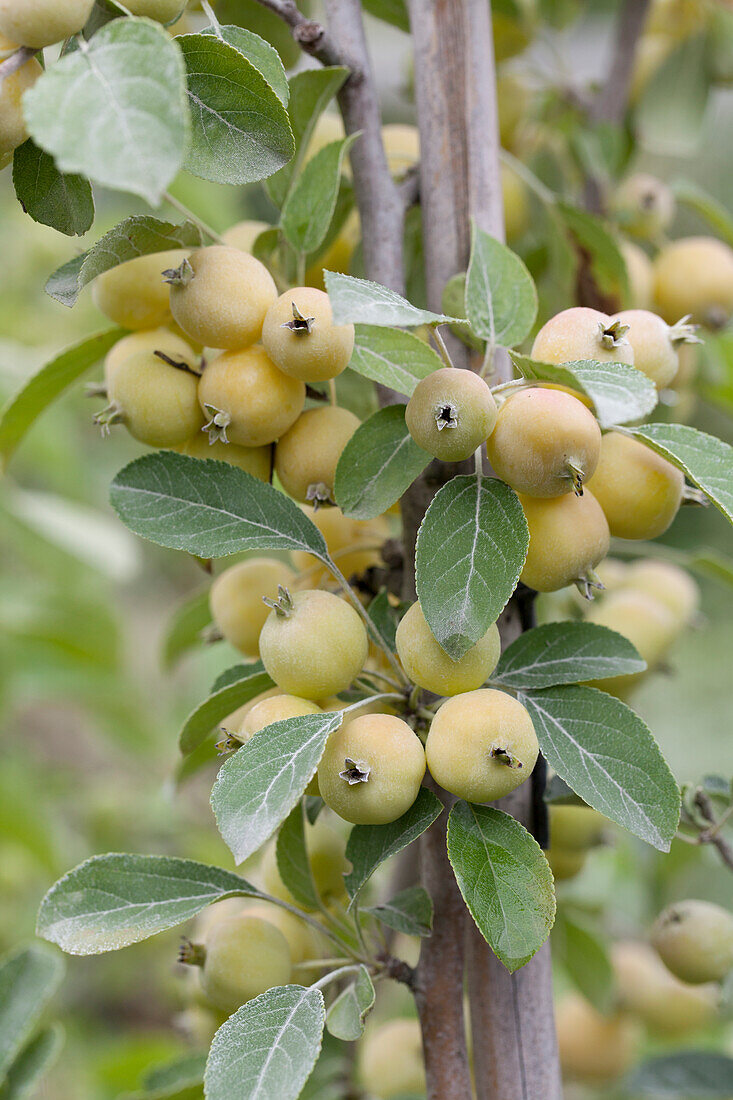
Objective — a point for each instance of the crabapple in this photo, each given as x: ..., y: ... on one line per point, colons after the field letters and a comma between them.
x: 327, y: 862
x: 243, y: 957
x: 575, y: 828
x: 307, y: 455
x: 338, y: 254
x: 644, y: 206
x: 134, y: 294
x: 481, y: 745
x: 612, y: 573
x: 667, y: 584
x: 582, y: 333
x: 513, y: 97
x: 13, y: 130
x: 639, y: 491
x: 694, y: 275
x: 275, y: 709
x: 640, y: 274
x: 545, y: 442
x: 402, y: 147
x: 328, y: 128
x: 156, y: 339
x: 303, y: 940
x: 516, y: 206
x: 655, y: 344
x: 219, y: 296
x: 371, y: 770
x: 648, y: 625
x: 451, y: 413
x: 565, y: 864
x: 248, y: 400
x: 568, y: 537
x: 301, y: 339
x: 157, y: 402
x: 39, y: 23
x: 354, y: 544
x: 694, y: 940
x: 244, y: 234
x: 648, y: 990
x: 236, y: 600
x: 256, y: 461
x: 391, y: 1060
x: 593, y: 1048
x: 313, y: 644
x: 429, y: 666
x: 164, y: 11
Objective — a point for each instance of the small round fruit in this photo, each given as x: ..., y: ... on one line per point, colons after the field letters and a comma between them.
x: 402, y: 146
x: 648, y: 625
x: 481, y: 745
x: 513, y: 102
x: 655, y: 344
x: 303, y: 940
x: 644, y: 206
x: 428, y: 665
x: 236, y: 600
x: 640, y: 274
x: 667, y: 584
x: 391, y: 1061
x: 451, y: 413
x: 163, y: 11
x: 307, y: 455
x: 40, y: 23
x: 300, y: 337
x: 612, y: 573
x: 248, y: 400
x: 13, y: 130
x: 157, y: 403
x: 516, y: 204
x: 694, y: 940
x: 157, y: 339
x: 582, y: 333
x: 354, y: 544
x: 565, y: 864
x: 244, y: 234
x: 220, y: 296
x: 135, y: 294
x: 639, y: 491
x: 575, y: 828
x: 594, y: 1049
x: 694, y: 275
x: 568, y: 537
x: 245, y: 956
x: 314, y: 644
x: 327, y: 862
x: 256, y: 461
x: 371, y: 770
x: 275, y: 709
x: 665, y: 1004
x: 545, y: 443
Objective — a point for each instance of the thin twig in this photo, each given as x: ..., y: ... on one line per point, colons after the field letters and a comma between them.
x: 612, y: 99
x: 312, y: 37
x: 16, y: 61
x: 183, y: 209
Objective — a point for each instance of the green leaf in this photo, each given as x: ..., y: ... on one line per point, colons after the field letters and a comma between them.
x: 268, y: 1048
x: 393, y: 358
x: 596, y: 237
x: 116, y: 110
x: 566, y: 653
x: 184, y: 627
x: 240, y: 129
x: 669, y: 116
x: 369, y: 845
x: 715, y: 213
x: 360, y: 301
x: 345, y: 1017
x: 391, y: 11
x: 139, y: 235
x: 501, y: 299
x: 586, y: 960
x: 309, y: 208
x: 28, y: 979
x: 705, y: 460
x: 258, y: 786
x: 378, y: 464
x: 385, y: 617
x: 66, y: 203
x: 293, y: 864
x: 410, y: 911
x: 172, y: 1080
x: 470, y: 551
x: 209, y: 508
x: 32, y: 1063
x: 604, y: 751
x: 111, y: 901
x: 310, y: 92
x: 619, y: 393
x: 684, y: 1075
x: 505, y: 881
x: 259, y: 53
x: 42, y: 388
x: 234, y: 688
x: 453, y: 300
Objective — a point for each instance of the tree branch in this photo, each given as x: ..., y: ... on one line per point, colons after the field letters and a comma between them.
x: 16, y: 61
x: 612, y: 99
x: 312, y: 37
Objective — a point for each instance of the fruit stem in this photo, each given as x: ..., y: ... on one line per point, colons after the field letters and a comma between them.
x: 441, y: 345
x: 361, y: 611
x: 527, y: 177
x: 317, y: 964
x: 335, y: 976
x: 183, y: 209
x: 210, y: 15
x: 332, y: 390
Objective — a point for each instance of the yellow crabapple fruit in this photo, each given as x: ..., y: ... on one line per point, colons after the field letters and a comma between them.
x: 694, y: 275
x: 303, y: 939
x: 513, y: 97
x: 155, y: 401
x: 652, y: 51
x: 575, y: 828
x: 593, y: 1048
x: 582, y: 333
x: 13, y: 130
x: 338, y: 254
x: 307, y: 454
x: 163, y: 11
x: 235, y: 719
x: 428, y: 665
x: 156, y: 339
x: 689, y: 366
x: 545, y: 443
x: 674, y: 18
x: 301, y: 339
x: 327, y: 862
x: 313, y: 644
x: 516, y: 204
x: 644, y: 206
x: 247, y: 399
x: 612, y: 573
x: 649, y: 991
x: 648, y: 625
x: 391, y: 1060
x: 565, y: 864
x: 371, y: 769
x: 236, y: 600
x: 481, y: 745
x: 640, y: 274
x: 135, y: 294
x: 667, y: 584
x: 219, y: 296
x: 656, y: 344
x: 244, y: 956
x: 39, y: 23
x: 244, y: 234
x: 402, y: 146
x: 639, y: 491
x: 354, y: 544
x: 694, y: 940
x: 275, y: 709
x: 451, y: 413
x: 256, y: 461
x: 328, y: 128
x: 568, y: 537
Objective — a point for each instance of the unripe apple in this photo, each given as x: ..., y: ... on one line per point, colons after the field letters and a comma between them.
x: 513, y: 99
x: 301, y: 339
x: 244, y: 234
x: 275, y: 709
x: 39, y: 23
x: 135, y: 294
x: 575, y: 828
x: 327, y: 862
x: 245, y: 956
x: 640, y: 274
x: 481, y: 745
x: 249, y: 401
x: 648, y: 624
x: 354, y: 544
x: 237, y: 602
x: 13, y: 130
x: 694, y: 275
x: 303, y: 940
x: 593, y: 1048
x: 565, y: 864
x: 694, y: 940
x: 516, y: 204
x: 256, y: 461
x: 451, y: 413
x: 639, y: 491
x: 391, y: 1060
x: 157, y: 339
x: 655, y: 344
x: 164, y: 11
x: 647, y: 989
x: 307, y: 454
x: 582, y: 333
x: 644, y: 206
x: 667, y: 584
x: 156, y: 402
x: 568, y: 537
x: 328, y: 128
x: 652, y: 51
x: 428, y: 665
x: 402, y: 147
x: 338, y: 254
